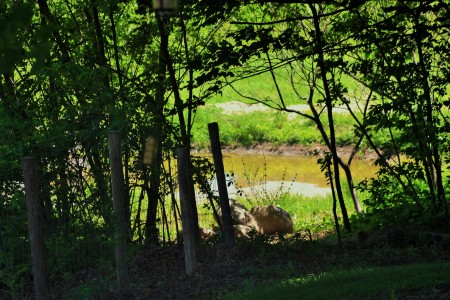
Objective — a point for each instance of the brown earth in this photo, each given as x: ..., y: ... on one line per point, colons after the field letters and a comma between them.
x: 310, y: 150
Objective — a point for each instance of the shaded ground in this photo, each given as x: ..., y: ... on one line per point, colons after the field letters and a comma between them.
x: 159, y: 273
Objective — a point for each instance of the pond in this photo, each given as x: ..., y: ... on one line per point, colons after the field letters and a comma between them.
x: 298, y: 174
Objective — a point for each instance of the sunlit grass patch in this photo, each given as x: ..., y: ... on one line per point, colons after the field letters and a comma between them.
x: 253, y: 128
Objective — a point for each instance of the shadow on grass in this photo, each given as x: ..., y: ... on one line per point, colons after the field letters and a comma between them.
x: 357, y: 283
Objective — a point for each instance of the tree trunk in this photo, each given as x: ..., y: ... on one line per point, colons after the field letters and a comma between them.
x: 351, y: 187
x: 222, y: 185
x: 185, y: 138
x: 35, y: 210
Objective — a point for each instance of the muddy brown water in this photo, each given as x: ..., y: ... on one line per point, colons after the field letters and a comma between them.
x: 298, y: 172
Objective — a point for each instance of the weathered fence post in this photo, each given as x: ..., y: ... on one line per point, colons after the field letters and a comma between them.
x: 118, y: 194
x: 190, y: 229
x: 227, y: 220
x: 35, y: 209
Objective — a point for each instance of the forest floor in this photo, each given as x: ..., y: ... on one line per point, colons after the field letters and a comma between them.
x: 159, y: 273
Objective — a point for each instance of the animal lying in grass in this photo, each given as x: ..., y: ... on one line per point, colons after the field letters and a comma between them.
x: 268, y: 219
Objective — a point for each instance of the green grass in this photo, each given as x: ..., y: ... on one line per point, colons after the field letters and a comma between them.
x: 274, y: 127
x: 262, y: 87
x: 314, y: 213
x: 266, y: 127
x: 356, y: 283
x: 254, y: 128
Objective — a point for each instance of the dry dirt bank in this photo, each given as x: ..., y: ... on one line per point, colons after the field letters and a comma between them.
x: 284, y: 149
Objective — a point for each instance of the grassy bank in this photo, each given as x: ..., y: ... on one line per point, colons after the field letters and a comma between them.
x: 269, y: 126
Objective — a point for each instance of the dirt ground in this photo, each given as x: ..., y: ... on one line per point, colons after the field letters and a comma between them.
x: 159, y: 273
x: 311, y: 150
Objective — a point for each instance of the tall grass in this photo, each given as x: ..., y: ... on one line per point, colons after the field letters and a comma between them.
x: 307, y: 213
x: 313, y: 213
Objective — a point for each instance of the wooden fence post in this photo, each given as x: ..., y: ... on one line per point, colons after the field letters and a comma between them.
x: 118, y: 194
x: 190, y: 229
x: 227, y: 220
x: 35, y: 209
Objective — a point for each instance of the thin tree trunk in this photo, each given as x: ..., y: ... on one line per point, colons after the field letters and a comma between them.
x: 137, y: 220
x: 100, y: 41
x: 151, y: 226
x: 185, y: 138
x: 227, y: 220
x: 351, y: 187
x: 329, y: 105
x: 336, y: 219
x: 175, y: 208
x: 152, y: 234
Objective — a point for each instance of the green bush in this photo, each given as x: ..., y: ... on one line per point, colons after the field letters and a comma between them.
x: 15, y: 254
x: 389, y: 203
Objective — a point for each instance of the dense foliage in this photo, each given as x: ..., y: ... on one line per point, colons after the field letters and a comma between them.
x: 70, y: 71
x: 385, y: 62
